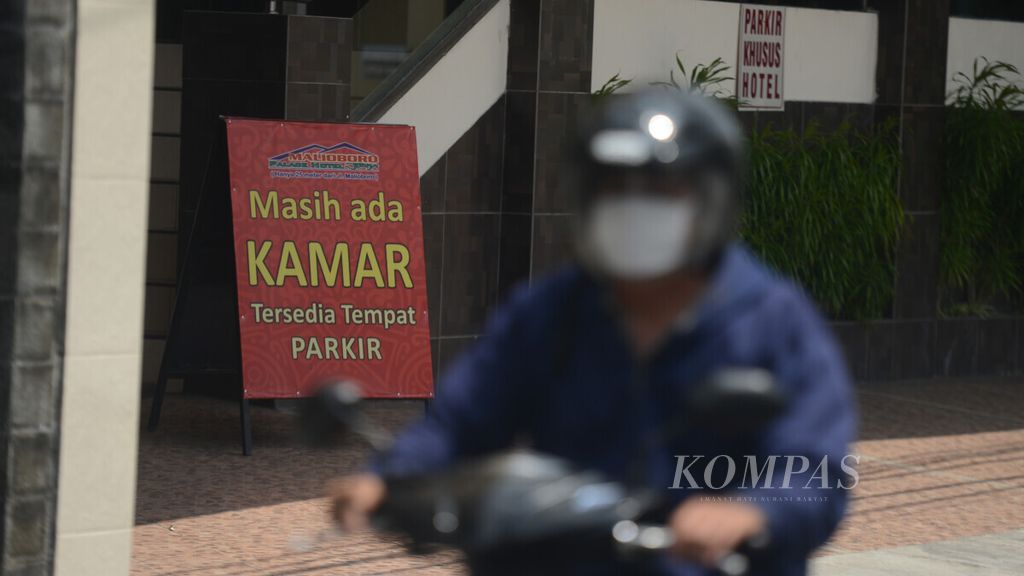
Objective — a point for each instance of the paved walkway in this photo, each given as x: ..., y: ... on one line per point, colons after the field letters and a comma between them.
x: 990, y: 555
x: 942, y: 488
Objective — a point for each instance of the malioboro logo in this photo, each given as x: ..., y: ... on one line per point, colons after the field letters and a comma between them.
x: 760, y: 472
x: 343, y: 161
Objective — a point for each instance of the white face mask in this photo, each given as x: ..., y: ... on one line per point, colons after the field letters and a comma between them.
x: 639, y: 236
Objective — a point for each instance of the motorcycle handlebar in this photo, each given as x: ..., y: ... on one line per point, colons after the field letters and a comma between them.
x: 633, y: 537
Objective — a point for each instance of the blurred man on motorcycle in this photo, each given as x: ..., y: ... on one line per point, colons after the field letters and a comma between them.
x: 593, y: 363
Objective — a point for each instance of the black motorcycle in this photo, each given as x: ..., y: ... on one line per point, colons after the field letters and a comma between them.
x: 523, y: 513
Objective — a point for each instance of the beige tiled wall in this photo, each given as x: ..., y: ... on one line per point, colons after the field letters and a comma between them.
x: 106, y: 285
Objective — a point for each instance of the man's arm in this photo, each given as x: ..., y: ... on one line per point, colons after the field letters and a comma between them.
x: 818, y: 426
x: 481, y: 401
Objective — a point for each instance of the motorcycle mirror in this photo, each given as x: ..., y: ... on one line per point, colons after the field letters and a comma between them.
x: 736, y: 401
x: 335, y: 412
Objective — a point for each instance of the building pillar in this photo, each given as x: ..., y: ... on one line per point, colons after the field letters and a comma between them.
x: 911, y: 83
x: 549, y: 78
x: 35, y: 89
x: 107, y: 212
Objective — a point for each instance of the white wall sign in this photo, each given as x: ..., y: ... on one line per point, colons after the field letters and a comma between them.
x: 759, y: 57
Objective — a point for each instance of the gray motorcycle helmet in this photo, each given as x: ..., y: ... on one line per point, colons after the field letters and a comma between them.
x: 668, y: 136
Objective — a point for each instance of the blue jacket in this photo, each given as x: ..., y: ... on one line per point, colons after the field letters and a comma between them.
x: 554, y: 363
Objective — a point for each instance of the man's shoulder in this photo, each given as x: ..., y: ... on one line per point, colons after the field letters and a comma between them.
x: 783, y: 322
x: 772, y: 288
x: 535, y: 306
x: 771, y: 297
x: 550, y: 290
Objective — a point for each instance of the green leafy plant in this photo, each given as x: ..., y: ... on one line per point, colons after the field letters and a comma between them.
x: 612, y: 85
x: 982, y: 212
x: 703, y: 78
x: 822, y: 208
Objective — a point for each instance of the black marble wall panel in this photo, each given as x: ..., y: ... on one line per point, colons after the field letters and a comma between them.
x: 319, y: 68
x: 520, y: 131
x: 825, y: 116
x: 945, y: 347
x: 9, y: 208
x: 789, y: 118
x: 553, y: 245
x: 997, y: 346
x: 911, y: 80
x: 889, y: 67
x: 435, y: 357
x: 234, y: 46
x: 956, y: 349
x: 433, y: 254
x: 927, y: 35
x: 887, y: 112
x: 917, y: 268
x: 529, y: 58
x: 566, y: 44
x: 915, y: 349
x: 923, y: 157
x: 748, y: 118
x: 319, y: 50
x: 912, y: 45
x: 860, y: 116
x: 12, y: 54
x: 558, y: 115
x: 523, y: 44
x: 798, y: 116
x: 514, y: 260
x: 12, y: 125
x: 852, y: 338
x: 317, y: 102
x: 881, y: 349
x: 551, y: 43
x: 1019, y: 348
x: 470, y: 275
